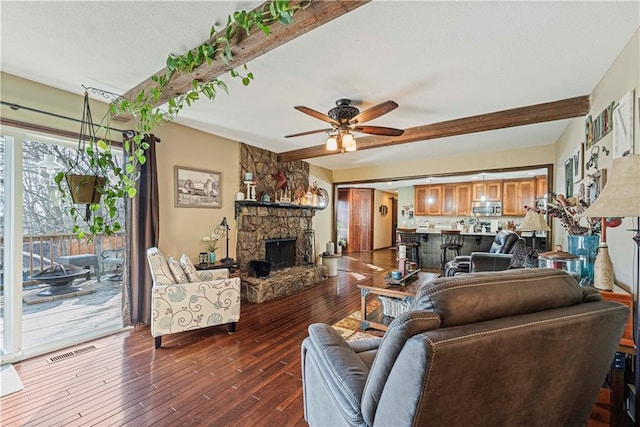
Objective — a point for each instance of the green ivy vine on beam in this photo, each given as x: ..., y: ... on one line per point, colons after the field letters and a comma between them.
x: 148, y: 116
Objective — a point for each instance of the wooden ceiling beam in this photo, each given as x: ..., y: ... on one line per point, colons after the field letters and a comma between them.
x: 245, y: 48
x: 539, y: 113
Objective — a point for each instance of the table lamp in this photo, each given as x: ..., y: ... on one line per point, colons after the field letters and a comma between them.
x: 620, y: 197
x: 534, y: 221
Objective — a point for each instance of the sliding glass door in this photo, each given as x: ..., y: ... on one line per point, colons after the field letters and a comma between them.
x: 64, y: 291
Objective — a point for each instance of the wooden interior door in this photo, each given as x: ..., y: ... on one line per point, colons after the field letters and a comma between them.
x: 361, y: 219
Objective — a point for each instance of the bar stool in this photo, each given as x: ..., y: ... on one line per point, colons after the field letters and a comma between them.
x: 451, y: 240
x: 408, y: 238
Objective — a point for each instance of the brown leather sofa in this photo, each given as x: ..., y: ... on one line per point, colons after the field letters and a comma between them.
x: 509, y: 348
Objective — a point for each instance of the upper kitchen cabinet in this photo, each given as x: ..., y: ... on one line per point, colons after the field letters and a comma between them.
x: 491, y: 190
x: 448, y: 199
x: 427, y: 200
x: 541, y: 187
x: 463, y: 199
x: 516, y: 194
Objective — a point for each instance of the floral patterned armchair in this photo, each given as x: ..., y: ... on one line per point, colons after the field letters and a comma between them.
x: 183, y: 299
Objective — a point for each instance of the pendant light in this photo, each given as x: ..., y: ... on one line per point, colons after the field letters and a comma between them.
x: 429, y: 198
x: 483, y: 198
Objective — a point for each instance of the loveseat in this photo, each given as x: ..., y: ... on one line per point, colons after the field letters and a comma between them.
x: 183, y: 298
x: 509, y: 348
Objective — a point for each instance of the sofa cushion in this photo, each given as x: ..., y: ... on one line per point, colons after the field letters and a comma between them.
x: 160, y: 271
x: 189, y: 269
x: 477, y: 297
x: 177, y: 271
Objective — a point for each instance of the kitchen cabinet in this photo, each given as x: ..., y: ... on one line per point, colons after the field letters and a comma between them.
x: 516, y: 195
x: 427, y: 200
x: 355, y: 218
x: 541, y: 187
x: 463, y: 199
x: 491, y: 190
x: 448, y: 200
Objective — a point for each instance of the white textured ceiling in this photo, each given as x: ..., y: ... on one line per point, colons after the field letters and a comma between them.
x: 437, y: 60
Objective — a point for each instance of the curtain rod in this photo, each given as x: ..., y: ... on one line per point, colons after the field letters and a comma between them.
x: 16, y: 107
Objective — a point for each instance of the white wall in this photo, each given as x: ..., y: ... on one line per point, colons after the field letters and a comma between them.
x: 622, y: 76
x: 382, y: 224
x: 323, y: 219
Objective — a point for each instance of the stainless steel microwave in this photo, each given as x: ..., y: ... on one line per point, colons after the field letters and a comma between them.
x: 486, y: 208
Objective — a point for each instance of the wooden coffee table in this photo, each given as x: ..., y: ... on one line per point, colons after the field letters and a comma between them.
x: 377, y: 319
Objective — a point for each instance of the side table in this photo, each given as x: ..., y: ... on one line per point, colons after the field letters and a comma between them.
x: 233, y: 267
x: 626, y: 350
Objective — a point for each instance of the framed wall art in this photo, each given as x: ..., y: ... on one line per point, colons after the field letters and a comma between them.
x: 578, y: 164
x: 623, y: 126
x: 197, y: 188
x: 595, y: 184
x: 568, y: 177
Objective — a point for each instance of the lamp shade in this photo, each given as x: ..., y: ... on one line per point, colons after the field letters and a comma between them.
x: 533, y: 221
x: 348, y: 142
x: 620, y: 197
x: 332, y: 143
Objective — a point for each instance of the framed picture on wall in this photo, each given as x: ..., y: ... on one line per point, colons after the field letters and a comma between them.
x: 578, y: 164
x: 568, y: 177
x: 623, y: 126
x: 197, y: 188
x: 595, y: 184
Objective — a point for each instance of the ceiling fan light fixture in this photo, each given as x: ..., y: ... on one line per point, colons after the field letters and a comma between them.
x: 348, y: 142
x: 332, y: 143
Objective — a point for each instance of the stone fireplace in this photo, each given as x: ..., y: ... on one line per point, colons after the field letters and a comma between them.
x: 260, y: 224
x: 279, y: 232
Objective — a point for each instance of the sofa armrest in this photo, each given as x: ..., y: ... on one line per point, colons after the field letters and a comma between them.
x: 343, y: 373
x: 462, y: 258
x: 486, y: 261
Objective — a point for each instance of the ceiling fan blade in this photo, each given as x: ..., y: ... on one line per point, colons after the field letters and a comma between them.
x: 379, y: 130
x: 374, y: 112
x: 318, y: 115
x: 308, y: 133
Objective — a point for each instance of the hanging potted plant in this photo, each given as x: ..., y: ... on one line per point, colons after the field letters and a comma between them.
x: 122, y: 181
x: 86, y: 180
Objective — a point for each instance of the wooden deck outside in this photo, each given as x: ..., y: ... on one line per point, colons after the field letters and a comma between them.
x: 46, y: 320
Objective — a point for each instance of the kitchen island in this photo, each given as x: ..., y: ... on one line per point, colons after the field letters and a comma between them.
x: 430, y: 241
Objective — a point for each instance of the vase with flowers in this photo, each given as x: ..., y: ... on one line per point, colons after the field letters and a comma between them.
x: 211, y: 240
x: 583, y: 236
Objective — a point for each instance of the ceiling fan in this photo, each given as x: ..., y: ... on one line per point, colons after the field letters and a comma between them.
x: 345, y: 119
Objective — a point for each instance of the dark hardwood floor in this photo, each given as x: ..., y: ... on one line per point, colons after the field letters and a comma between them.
x: 203, y: 377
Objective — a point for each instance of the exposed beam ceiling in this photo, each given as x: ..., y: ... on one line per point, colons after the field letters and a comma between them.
x: 247, y: 47
x: 539, y: 113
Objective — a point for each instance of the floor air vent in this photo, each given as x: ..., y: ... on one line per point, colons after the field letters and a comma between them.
x: 71, y: 354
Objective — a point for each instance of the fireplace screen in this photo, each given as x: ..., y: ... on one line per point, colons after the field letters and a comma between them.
x: 281, y: 252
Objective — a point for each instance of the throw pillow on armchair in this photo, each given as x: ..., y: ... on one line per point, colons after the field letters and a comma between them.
x: 524, y: 257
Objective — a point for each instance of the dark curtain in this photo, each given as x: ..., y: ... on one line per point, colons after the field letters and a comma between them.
x: 143, y: 232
